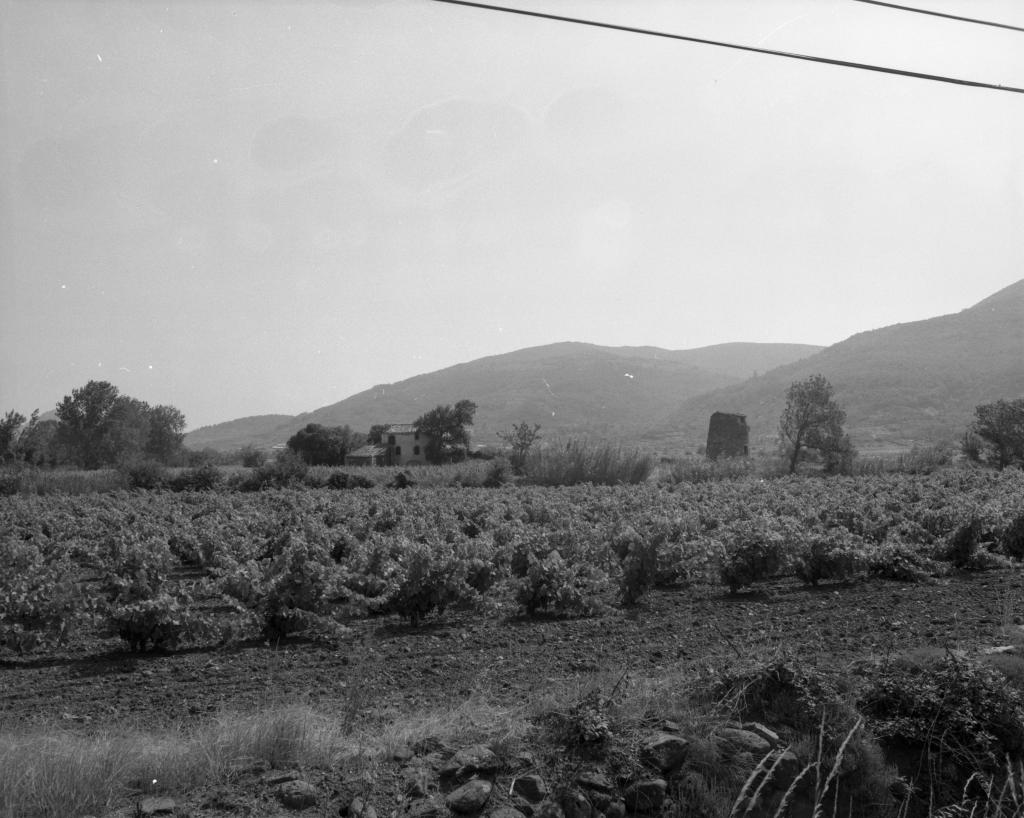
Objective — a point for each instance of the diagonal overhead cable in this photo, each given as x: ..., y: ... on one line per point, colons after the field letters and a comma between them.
x: 720, y: 44
x: 941, y: 14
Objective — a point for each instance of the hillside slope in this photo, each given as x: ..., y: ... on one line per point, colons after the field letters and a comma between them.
x: 900, y: 385
x: 568, y: 388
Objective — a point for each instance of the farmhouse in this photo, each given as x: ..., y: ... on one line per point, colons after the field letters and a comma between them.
x: 369, y: 455
x: 400, y: 445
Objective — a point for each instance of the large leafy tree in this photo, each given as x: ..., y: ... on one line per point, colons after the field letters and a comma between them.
x: 10, y: 428
x: 448, y: 429
x: 1000, y: 426
x: 324, y: 445
x: 813, y: 420
x: 101, y: 427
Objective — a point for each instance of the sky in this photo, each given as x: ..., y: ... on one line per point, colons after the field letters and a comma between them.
x: 244, y: 208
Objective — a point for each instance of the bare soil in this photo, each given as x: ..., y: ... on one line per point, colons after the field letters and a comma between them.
x: 384, y: 667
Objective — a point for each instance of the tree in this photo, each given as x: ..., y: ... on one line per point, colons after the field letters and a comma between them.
x: 376, y: 436
x: 520, y: 439
x: 324, y: 445
x: 101, y: 427
x: 447, y: 429
x: 84, y: 421
x: 10, y: 428
x: 1000, y: 427
x: 38, y: 445
x: 812, y: 420
x: 166, y: 433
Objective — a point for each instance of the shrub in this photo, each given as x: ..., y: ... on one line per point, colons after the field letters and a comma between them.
x: 285, y: 470
x: 551, y: 582
x: 639, y: 564
x: 139, y: 606
x: 205, y: 477
x: 159, y: 622
x: 754, y: 551
x: 290, y: 588
x: 949, y: 716
x: 41, y: 602
x: 966, y: 548
x: 904, y: 563
x: 145, y: 474
x: 428, y: 577
x: 1011, y: 541
x: 835, y: 554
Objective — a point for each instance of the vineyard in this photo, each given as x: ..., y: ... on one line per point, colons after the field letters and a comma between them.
x: 167, y: 605
x: 155, y: 568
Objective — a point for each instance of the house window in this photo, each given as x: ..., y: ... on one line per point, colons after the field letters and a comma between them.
x: 398, y: 450
x: 416, y: 449
x: 417, y: 438
x: 391, y: 440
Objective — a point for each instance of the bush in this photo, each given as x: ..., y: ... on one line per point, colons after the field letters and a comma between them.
x: 639, y: 562
x: 835, y: 554
x: 159, y: 622
x: 1011, y: 541
x: 287, y: 469
x: 145, y: 474
x: 754, y: 551
x: 41, y: 602
x: 945, y: 717
x: 966, y: 548
x: 903, y: 563
x: 201, y: 478
x: 551, y: 582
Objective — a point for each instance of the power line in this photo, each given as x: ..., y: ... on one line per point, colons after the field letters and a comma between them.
x: 720, y: 44
x: 941, y: 14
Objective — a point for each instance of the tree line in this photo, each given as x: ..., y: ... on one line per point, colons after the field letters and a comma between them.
x: 96, y: 426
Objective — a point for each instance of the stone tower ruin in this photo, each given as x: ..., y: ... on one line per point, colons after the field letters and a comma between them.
x: 728, y: 436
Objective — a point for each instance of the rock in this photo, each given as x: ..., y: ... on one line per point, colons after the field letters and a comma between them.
x: 428, y: 808
x: 523, y: 806
x: 470, y: 797
x: 506, y: 812
x: 358, y: 808
x: 669, y: 726
x: 296, y: 794
x: 733, y: 741
x: 664, y: 751
x: 617, y: 809
x: 575, y: 805
x: 530, y: 787
x: 523, y: 761
x: 274, y: 777
x: 403, y: 754
x: 593, y: 780
x: 157, y: 806
x: 475, y: 760
x: 766, y: 733
x: 418, y: 782
x: 646, y: 796
x: 787, y: 767
x: 549, y: 809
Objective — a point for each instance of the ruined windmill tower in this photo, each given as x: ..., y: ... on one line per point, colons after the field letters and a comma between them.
x: 728, y: 436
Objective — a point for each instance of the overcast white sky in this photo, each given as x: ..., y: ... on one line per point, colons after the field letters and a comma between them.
x: 245, y: 208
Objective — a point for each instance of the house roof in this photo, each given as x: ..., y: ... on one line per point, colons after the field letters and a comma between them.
x: 368, y: 451
x: 400, y: 429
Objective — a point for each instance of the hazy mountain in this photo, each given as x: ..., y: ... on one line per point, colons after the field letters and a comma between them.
x: 568, y: 388
x: 904, y: 384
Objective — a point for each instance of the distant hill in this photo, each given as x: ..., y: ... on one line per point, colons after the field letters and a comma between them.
x: 908, y: 383
x: 568, y: 388
x: 234, y: 434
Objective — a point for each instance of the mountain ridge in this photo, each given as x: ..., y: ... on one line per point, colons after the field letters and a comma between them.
x: 567, y: 387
